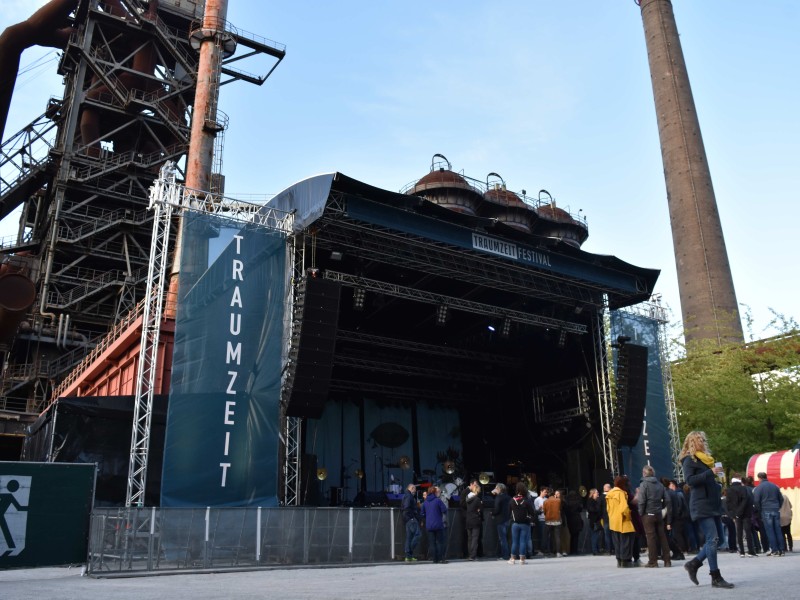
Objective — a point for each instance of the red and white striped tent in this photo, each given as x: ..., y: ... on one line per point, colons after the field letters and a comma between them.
x: 782, y: 469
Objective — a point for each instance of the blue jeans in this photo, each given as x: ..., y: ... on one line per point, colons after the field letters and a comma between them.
x: 502, y: 539
x: 412, y: 537
x: 520, y: 534
x: 772, y: 523
x: 710, y: 528
x: 596, y: 533
x: 607, y: 536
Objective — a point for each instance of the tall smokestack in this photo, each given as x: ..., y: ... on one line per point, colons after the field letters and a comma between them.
x: 708, y: 299
x: 210, y: 40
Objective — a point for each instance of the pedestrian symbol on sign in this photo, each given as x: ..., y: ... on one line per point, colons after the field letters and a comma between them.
x: 15, y: 493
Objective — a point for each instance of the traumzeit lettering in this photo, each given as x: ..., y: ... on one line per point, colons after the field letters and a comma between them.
x: 510, y: 250
x: 233, y: 354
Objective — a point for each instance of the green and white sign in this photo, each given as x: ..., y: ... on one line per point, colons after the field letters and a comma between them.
x: 44, y: 513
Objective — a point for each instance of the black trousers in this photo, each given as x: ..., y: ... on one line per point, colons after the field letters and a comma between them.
x: 744, y: 530
x: 473, y: 537
x: 623, y: 544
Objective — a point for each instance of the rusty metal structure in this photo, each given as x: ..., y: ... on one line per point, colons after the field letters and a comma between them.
x: 139, y: 78
x: 708, y: 299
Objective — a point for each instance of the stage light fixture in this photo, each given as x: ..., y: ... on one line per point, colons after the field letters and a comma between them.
x: 562, y: 338
x: 442, y: 313
x: 322, y: 473
x: 506, y: 331
x: 491, y: 328
x: 336, y: 255
x: 358, y: 298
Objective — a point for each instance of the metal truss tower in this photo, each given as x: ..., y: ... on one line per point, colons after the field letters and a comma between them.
x: 166, y: 197
x: 81, y: 174
x: 607, y: 406
x: 655, y: 311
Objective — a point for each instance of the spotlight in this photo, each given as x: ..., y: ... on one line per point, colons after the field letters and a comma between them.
x: 441, y: 314
x: 491, y: 328
x: 336, y: 255
x: 506, y: 331
x: 358, y: 298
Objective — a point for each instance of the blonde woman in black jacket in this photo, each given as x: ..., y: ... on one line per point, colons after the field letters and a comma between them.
x: 705, y: 503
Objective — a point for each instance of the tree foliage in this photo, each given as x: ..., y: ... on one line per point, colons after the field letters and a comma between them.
x: 745, y: 397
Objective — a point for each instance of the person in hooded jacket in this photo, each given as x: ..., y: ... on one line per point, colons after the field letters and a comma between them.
x: 619, y: 521
x: 522, y: 515
x: 434, y: 511
x: 652, y: 499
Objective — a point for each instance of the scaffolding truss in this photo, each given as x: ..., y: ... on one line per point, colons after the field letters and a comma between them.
x: 409, y: 293
x: 654, y: 310
x: 167, y: 198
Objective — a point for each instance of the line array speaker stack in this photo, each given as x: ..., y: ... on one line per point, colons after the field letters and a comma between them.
x: 314, y: 360
x: 632, y: 391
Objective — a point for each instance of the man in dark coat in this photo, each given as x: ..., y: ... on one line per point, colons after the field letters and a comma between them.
x: 501, y: 516
x: 768, y: 501
x: 472, y: 505
x: 652, y: 499
x: 410, y: 511
x: 740, y: 509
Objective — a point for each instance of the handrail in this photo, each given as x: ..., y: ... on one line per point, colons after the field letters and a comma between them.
x: 113, y: 334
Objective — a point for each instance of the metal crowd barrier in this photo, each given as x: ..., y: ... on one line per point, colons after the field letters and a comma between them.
x: 169, y: 539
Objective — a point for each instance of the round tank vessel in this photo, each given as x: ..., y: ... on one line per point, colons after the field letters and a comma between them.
x: 446, y: 188
x: 556, y: 222
x: 506, y: 207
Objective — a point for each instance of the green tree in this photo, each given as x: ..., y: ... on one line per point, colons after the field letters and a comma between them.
x: 745, y: 397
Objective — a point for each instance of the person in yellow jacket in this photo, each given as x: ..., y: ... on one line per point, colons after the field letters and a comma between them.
x: 619, y: 521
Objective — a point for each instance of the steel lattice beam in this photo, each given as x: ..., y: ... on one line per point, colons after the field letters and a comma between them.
x: 428, y: 349
x: 400, y: 291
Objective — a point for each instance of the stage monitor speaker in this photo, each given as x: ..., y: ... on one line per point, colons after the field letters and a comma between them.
x: 312, y: 375
x: 632, y: 377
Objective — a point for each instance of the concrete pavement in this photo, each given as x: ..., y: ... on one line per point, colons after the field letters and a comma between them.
x: 572, y: 577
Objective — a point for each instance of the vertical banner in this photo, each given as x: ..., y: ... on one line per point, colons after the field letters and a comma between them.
x: 653, y: 447
x: 221, y: 444
x: 44, y: 513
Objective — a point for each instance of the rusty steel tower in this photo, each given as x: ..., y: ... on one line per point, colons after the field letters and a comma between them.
x: 708, y: 300
x: 141, y: 85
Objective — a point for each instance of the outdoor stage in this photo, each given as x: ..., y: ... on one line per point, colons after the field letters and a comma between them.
x: 426, y: 336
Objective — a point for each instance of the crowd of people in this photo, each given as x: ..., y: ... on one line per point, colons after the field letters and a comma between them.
x: 668, y: 518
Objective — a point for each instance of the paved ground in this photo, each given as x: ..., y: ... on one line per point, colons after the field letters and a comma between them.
x: 563, y: 578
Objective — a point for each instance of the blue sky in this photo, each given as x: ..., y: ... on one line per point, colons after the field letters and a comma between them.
x: 550, y: 95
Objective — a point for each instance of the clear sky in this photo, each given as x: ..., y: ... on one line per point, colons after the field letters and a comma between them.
x: 551, y: 95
